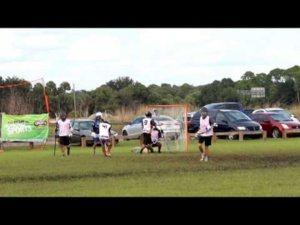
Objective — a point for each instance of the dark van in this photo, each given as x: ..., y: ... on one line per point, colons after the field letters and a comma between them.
x: 193, y: 123
x: 225, y: 105
x: 227, y: 120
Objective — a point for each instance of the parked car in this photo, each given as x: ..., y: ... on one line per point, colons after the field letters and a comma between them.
x: 225, y: 105
x: 274, y: 123
x: 227, y: 120
x: 193, y: 124
x: 190, y: 115
x: 83, y: 128
x: 235, y: 120
x: 166, y: 123
x: 280, y: 110
x: 248, y: 111
x: 229, y: 105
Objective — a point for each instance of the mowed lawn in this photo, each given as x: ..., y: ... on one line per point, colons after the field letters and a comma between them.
x: 237, y: 168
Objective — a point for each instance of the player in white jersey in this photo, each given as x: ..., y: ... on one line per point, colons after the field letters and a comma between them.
x: 104, y: 134
x: 147, y: 125
x: 205, y: 134
x: 64, y: 129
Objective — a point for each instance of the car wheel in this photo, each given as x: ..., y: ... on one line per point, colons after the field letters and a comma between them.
x: 276, y: 133
x: 125, y: 134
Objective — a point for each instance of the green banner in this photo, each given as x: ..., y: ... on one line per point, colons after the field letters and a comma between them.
x: 31, y: 128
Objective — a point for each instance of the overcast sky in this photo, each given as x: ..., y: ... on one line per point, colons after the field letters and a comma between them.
x: 89, y: 58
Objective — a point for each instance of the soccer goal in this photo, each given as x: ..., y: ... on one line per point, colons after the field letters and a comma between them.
x: 172, y: 119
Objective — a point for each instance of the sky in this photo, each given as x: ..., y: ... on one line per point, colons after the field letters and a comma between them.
x: 89, y: 58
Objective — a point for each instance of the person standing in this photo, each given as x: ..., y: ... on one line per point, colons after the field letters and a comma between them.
x: 64, y: 129
x: 205, y: 134
x: 105, y: 140
x: 147, y: 125
x: 95, y: 130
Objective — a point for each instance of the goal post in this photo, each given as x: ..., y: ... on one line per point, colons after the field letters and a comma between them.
x: 176, y: 136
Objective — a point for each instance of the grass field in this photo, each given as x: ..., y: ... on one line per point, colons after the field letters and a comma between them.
x: 237, y: 168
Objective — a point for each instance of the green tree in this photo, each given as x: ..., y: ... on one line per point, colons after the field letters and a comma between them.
x: 51, y: 88
x: 105, y: 98
x: 120, y: 83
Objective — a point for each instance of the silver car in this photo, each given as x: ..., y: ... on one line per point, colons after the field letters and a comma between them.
x: 83, y: 128
x: 166, y: 123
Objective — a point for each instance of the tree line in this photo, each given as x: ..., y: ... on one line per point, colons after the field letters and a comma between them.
x: 282, y: 87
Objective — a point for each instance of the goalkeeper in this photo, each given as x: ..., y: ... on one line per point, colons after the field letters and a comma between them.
x: 155, y: 135
x: 205, y: 134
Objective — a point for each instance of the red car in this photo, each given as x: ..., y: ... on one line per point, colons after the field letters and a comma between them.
x: 274, y: 123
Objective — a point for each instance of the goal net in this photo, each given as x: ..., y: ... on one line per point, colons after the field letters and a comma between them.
x: 172, y: 119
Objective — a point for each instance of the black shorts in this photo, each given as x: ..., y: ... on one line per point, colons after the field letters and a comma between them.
x: 206, y: 140
x: 64, y: 140
x: 156, y: 145
x: 147, y: 138
x: 105, y: 142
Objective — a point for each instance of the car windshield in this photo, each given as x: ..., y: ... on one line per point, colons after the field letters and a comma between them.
x: 237, y: 116
x: 163, y: 119
x: 280, y: 117
x: 282, y: 111
x: 210, y: 106
x: 86, y: 125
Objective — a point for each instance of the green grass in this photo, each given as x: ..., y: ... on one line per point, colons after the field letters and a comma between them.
x: 237, y: 168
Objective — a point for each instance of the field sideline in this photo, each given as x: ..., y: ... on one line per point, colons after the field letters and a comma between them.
x: 237, y: 168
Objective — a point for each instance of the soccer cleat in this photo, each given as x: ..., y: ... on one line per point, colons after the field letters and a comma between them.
x: 107, y: 154
x: 206, y: 159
